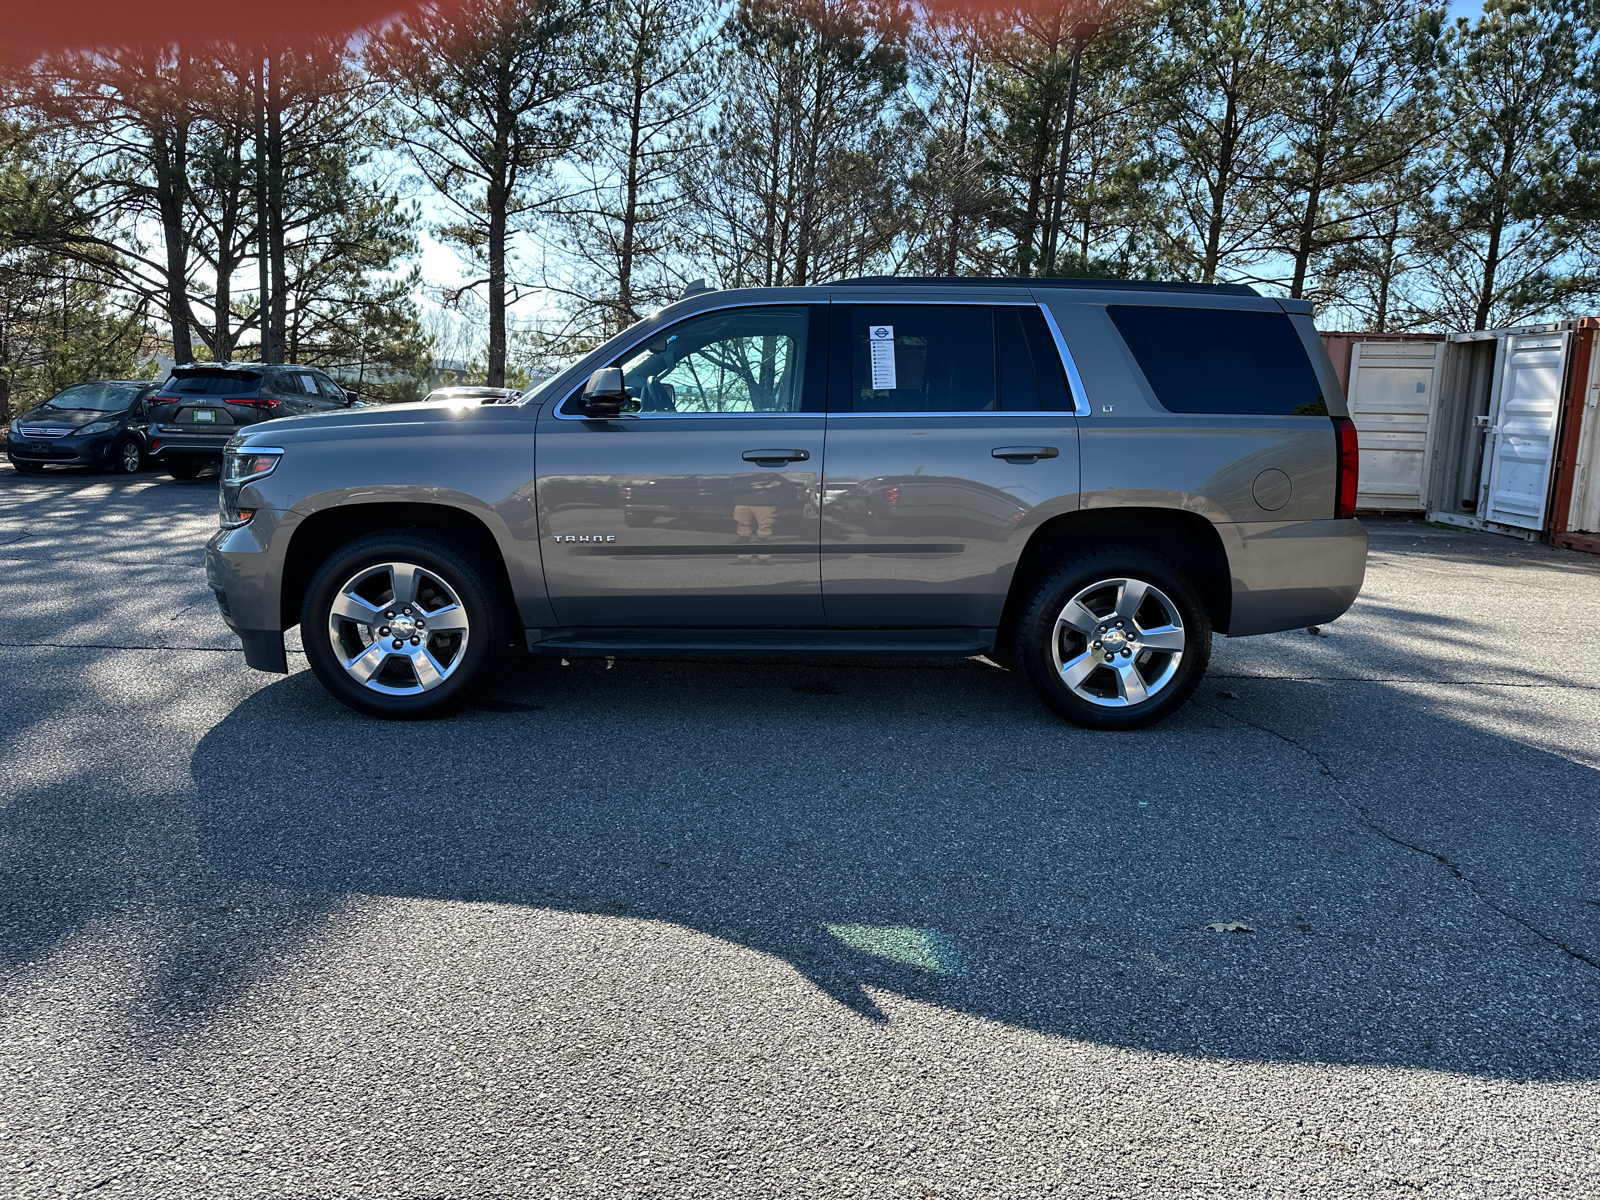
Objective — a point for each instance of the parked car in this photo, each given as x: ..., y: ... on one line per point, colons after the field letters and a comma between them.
x: 1081, y: 479
x: 202, y: 405
x: 97, y: 424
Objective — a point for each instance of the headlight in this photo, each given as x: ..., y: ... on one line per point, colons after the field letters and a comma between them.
x: 97, y: 427
x: 247, y: 464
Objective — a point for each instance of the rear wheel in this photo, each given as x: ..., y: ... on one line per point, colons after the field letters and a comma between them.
x: 184, y: 468
x: 401, y: 625
x: 128, y: 458
x: 1114, y: 638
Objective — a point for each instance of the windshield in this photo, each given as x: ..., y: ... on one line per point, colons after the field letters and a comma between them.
x: 99, y: 397
x: 211, y: 383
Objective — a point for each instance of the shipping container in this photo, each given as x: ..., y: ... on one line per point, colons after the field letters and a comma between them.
x: 1502, y: 402
x: 1339, y: 344
x: 1497, y: 429
x: 1575, y: 496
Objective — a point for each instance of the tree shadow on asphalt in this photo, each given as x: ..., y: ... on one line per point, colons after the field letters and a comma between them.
x: 923, y: 831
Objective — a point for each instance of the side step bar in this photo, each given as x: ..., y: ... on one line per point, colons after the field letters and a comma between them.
x: 652, y: 643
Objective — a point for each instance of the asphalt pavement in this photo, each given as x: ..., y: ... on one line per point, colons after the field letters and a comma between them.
x: 754, y: 929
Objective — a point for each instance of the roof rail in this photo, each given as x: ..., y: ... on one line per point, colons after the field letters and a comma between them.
x: 1113, y: 285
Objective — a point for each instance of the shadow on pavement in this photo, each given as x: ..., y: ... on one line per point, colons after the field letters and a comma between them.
x: 925, y: 831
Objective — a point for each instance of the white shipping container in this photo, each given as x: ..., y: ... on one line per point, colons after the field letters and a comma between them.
x: 1392, y: 392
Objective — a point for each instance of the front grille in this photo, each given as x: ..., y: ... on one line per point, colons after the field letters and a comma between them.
x: 42, y: 431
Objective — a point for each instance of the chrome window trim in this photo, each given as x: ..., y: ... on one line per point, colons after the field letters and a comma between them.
x: 966, y: 412
x: 952, y: 303
x: 1080, y: 397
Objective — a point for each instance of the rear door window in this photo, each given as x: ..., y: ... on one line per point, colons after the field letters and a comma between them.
x: 921, y: 358
x: 1218, y: 360
x: 950, y: 358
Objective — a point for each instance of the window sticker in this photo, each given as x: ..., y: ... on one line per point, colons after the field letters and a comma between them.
x: 310, y: 383
x: 882, y: 339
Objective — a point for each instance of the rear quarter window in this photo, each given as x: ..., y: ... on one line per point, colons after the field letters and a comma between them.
x: 1218, y: 360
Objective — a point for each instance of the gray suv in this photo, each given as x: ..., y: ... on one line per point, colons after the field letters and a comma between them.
x: 1081, y: 479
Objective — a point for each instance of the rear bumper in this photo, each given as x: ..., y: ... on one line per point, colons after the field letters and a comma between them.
x: 190, y: 445
x: 1290, y: 574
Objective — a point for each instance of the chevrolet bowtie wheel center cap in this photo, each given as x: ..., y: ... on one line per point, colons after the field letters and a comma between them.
x: 1115, y: 641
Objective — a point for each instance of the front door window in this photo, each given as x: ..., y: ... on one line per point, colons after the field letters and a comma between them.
x: 743, y: 360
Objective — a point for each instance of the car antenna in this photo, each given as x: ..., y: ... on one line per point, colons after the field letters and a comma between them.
x: 694, y: 289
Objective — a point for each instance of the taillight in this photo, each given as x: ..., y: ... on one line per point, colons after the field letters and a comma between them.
x: 891, y: 495
x: 263, y: 403
x: 1349, y: 468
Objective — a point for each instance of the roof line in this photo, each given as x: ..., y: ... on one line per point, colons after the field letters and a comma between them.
x: 1109, y: 285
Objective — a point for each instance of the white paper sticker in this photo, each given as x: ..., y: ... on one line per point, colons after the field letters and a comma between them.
x: 882, y: 339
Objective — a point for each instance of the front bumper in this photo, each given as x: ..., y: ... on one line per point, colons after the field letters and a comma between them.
x: 66, y: 452
x: 238, y: 573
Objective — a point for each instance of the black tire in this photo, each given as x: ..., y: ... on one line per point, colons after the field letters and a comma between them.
x: 184, y: 468
x: 480, y: 601
x: 1050, y: 652
x: 127, y: 458
x: 28, y: 468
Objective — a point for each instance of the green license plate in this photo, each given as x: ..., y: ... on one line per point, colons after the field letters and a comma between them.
x: 205, y: 414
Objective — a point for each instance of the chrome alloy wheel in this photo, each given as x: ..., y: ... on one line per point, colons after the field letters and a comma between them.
x: 130, y: 457
x: 1118, y: 642
x: 398, y: 629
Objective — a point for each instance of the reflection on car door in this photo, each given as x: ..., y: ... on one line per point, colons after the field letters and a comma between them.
x: 700, y: 509
x: 919, y: 503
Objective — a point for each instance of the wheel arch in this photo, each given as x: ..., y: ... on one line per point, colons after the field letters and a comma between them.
x: 323, y: 532
x: 1186, y: 539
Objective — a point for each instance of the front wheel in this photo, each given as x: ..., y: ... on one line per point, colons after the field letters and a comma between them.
x: 1114, y: 638
x: 128, y: 458
x: 401, y: 625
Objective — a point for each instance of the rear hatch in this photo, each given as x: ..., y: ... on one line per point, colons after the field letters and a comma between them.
x: 211, y: 400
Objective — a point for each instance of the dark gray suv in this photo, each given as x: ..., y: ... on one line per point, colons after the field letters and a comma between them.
x: 202, y: 405
x: 1081, y: 479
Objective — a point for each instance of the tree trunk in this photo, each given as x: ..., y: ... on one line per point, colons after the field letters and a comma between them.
x: 1054, y: 232
x: 172, y: 173
x: 630, y: 204
x: 809, y: 179
x: 1497, y: 228
x: 275, y: 199
x: 968, y: 80
x: 1305, y: 243
x: 222, y: 335
x: 497, y: 282
x: 263, y: 242
x: 1220, y: 193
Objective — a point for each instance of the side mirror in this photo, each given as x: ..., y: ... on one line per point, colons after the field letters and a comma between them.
x: 351, y: 396
x: 604, y: 396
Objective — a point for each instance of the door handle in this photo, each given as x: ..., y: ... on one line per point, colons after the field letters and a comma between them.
x: 771, y: 458
x: 1020, y: 453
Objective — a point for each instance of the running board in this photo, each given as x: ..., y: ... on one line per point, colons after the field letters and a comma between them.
x: 649, y: 643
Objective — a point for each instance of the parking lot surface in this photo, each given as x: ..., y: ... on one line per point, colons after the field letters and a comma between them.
x: 738, y: 929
